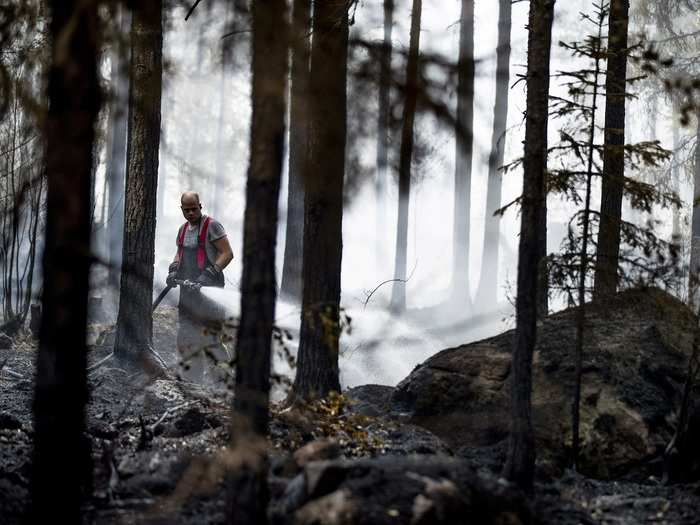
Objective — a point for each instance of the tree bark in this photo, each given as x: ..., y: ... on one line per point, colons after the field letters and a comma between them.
x: 695, y: 228
x: 298, y: 150
x: 398, y: 295
x: 463, y: 156
x: 383, y: 131
x: 134, y: 321
x: 675, y: 173
x: 520, y: 462
x: 317, y: 365
x: 116, y: 153
x: 488, y: 281
x: 60, y: 445
x: 218, y: 182
x: 606, y: 277
x: 247, y: 486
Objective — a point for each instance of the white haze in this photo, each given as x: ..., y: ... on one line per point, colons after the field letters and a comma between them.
x: 380, y: 348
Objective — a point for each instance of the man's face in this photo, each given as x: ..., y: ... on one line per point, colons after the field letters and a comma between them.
x: 191, y: 209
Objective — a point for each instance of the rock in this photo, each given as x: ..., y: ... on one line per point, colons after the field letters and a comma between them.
x: 337, y: 508
x: 5, y: 341
x: 190, y: 422
x: 317, y: 450
x: 9, y: 422
x: 636, y: 351
x: 399, y: 490
x: 370, y: 400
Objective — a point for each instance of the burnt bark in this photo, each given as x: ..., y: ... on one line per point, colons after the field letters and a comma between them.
x: 606, y: 277
x: 383, y: 130
x: 488, y: 280
x: 520, y: 463
x: 298, y: 149
x: 695, y: 227
x: 247, y: 487
x: 134, y: 322
x: 60, y: 445
x: 116, y: 149
x: 398, y: 294
x: 463, y: 156
x: 317, y: 366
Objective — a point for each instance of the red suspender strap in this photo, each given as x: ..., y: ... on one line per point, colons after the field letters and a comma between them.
x: 181, y: 241
x: 201, y: 250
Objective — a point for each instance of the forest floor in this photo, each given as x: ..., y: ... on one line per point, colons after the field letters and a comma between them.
x: 159, y: 446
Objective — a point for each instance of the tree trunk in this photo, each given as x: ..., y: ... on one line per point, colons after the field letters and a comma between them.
x: 383, y: 131
x: 675, y: 173
x: 60, y: 445
x: 218, y: 182
x: 488, y: 281
x: 613, y: 154
x: 247, y: 486
x: 162, y: 154
x: 116, y: 154
x: 134, y: 321
x: 298, y: 150
x: 317, y: 366
x: 463, y: 157
x: 693, y: 295
x: 583, y: 257
x: 398, y: 295
x: 520, y: 462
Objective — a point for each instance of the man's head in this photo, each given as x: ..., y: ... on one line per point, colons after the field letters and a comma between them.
x: 191, y: 207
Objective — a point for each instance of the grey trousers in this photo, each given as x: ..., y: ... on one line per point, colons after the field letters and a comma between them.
x: 199, y: 337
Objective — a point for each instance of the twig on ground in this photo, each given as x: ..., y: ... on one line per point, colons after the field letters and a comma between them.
x: 10, y: 372
x: 160, y: 360
x: 169, y: 411
x: 102, y: 361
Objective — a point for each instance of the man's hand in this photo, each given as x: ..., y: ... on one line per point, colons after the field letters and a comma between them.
x: 209, y: 277
x: 172, y: 273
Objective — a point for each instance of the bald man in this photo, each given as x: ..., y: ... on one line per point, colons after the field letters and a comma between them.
x: 203, y: 251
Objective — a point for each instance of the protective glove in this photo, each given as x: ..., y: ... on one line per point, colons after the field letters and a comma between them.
x: 209, y: 277
x: 172, y: 273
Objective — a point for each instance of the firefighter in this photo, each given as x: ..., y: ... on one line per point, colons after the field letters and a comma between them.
x: 203, y: 251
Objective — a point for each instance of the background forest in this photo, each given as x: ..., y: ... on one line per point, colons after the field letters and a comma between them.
x: 516, y: 182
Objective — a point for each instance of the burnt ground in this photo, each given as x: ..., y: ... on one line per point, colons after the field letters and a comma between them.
x: 159, y: 446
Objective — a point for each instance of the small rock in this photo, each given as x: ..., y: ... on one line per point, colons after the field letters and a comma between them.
x: 337, y: 508
x: 5, y: 341
x: 9, y: 422
x: 317, y: 450
x: 191, y: 422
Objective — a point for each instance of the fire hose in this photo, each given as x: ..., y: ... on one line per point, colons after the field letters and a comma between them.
x: 187, y: 284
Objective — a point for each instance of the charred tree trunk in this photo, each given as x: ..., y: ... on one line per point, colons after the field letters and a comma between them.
x: 520, y: 462
x: 317, y: 366
x: 463, y: 157
x: 248, y: 488
x: 298, y: 149
x: 116, y: 153
x: 398, y: 295
x: 695, y: 228
x: 583, y: 257
x: 134, y: 321
x: 383, y: 130
x: 613, y: 154
x: 488, y: 281
x: 60, y: 445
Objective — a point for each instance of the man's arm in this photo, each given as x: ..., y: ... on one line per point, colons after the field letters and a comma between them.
x: 225, y: 255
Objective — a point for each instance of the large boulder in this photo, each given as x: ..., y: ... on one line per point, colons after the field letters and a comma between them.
x: 636, y: 350
x: 413, y: 490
